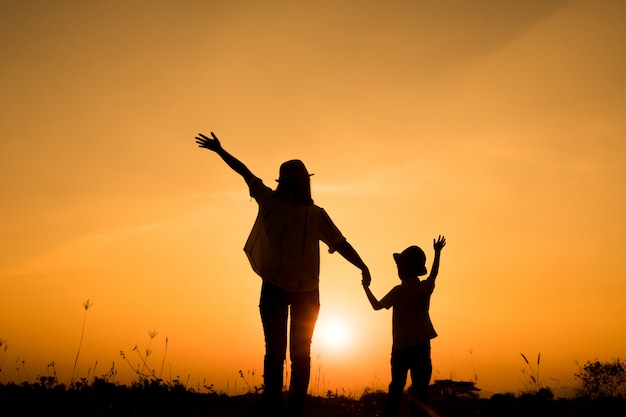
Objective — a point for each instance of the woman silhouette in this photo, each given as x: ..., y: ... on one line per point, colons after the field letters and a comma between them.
x: 283, y: 248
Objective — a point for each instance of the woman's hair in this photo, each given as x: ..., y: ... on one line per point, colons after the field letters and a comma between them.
x: 294, y: 184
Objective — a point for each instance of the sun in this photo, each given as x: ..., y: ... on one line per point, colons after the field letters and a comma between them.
x: 331, y: 333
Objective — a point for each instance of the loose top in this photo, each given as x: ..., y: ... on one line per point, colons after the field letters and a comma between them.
x: 283, y: 246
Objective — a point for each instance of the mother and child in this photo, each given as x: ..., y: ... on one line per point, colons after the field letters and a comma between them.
x: 283, y: 249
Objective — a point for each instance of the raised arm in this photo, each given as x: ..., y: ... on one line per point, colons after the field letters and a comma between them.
x: 215, y: 146
x: 438, y: 245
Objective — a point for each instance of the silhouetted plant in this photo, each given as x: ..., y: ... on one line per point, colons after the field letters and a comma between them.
x: 447, y: 388
x: 86, y: 305
x: 151, y: 374
x: 143, y: 370
x: 209, y: 388
x: 344, y: 394
x: 53, y: 374
x: 23, y: 368
x: 109, y: 376
x: 534, y: 382
x: 602, y: 379
x: 163, y: 361
x: 151, y: 334
x: 47, y: 382
x: 3, y: 346
x: 475, y: 375
x: 252, y: 389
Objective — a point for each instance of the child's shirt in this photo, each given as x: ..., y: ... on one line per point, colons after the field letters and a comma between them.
x: 411, y: 321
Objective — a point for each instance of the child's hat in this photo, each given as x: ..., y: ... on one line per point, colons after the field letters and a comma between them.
x: 412, y: 259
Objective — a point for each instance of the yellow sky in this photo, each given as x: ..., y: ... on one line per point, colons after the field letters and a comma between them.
x: 498, y: 124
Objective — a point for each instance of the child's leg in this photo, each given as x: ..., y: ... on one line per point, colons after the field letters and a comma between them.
x: 399, y: 369
x: 421, y: 372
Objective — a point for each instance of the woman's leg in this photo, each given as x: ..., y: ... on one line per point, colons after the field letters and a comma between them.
x: 274, y: 309
x: 304, y: 310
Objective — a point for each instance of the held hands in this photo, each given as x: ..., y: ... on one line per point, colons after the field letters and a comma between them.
x: 365, y: 281
x: 439, y: 243
x: 211, y: 144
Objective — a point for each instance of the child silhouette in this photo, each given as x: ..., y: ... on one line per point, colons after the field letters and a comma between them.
x: 411, y: 327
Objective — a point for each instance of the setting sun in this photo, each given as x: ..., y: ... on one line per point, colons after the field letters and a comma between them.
x: 332, y: 333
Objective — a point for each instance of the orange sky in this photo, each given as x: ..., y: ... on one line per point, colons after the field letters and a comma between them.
x: 498, y: 124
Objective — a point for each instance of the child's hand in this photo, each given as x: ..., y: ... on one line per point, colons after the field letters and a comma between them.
x: 439, y: 243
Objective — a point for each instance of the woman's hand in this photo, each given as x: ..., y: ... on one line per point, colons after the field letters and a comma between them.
x: 211, y: 144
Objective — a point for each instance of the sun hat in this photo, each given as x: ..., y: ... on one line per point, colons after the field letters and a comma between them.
x: 293, y: 171
x: 412, y: 259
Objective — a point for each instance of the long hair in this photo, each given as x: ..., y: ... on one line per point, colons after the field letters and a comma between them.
x: 298, y: 193
x: 294, y: 184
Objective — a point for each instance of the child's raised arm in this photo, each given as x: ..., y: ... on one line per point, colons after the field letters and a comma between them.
x: 438, y: 245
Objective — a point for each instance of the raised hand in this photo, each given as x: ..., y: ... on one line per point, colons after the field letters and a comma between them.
x: 439, y: 243
x: 206, y: 142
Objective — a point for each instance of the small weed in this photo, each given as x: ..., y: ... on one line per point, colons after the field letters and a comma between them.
x: 23, y: 368
x: 252, y: 389
x: 143, y: 370
x: 475, y: 375
x: 4, y: 346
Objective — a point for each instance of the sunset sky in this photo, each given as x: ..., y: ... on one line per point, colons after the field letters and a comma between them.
x: 501, y: 125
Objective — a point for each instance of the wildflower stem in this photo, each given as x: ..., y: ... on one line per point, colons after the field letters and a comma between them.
x: 163, y: 362
x: 86, y: 306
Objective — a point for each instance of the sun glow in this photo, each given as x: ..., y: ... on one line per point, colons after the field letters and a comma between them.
x: 332, y: 334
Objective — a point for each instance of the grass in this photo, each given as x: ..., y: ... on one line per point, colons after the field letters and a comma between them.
x: 86, y: 305
x: 160, y: 398
x: 534, y: 383
x: 151, y: 395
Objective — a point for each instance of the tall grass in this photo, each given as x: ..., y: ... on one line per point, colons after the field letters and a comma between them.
x: 3, y: 346
x: 163, y: 361
x: 533, y: 383
x: 148, y: 375
x: 86, y: 305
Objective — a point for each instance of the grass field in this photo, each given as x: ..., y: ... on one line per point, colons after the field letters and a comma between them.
x: 602, y: 393
x: 156, y: 398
